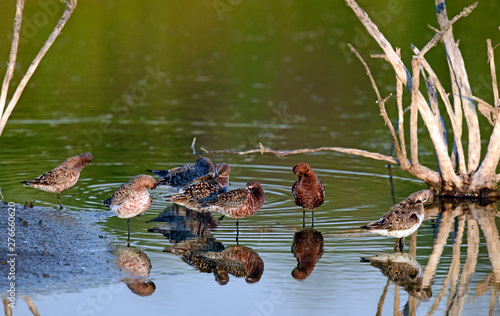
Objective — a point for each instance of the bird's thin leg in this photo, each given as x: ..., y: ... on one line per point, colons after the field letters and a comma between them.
x: 59, y: 199
x: 303, y: 218
x: 401, y: 244
x: 128, y: 225
x: 237, y: 231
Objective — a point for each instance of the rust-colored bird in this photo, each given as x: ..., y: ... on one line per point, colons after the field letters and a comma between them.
x: 132, y: 198
x: 237, y: 203
x: 61, y: 177
x: 176, y: 178
x: 308, y: 190
x: 403, y: 219
x: 207, y: 187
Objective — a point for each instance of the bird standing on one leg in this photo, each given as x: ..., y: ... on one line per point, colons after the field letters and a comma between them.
x: 132, y: 198
x: 308, y: 190
x: 61, y: 177
x: 403, y: 219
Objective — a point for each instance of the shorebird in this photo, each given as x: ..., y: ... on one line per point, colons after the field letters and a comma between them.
x: 237, y: 203
x: 403, y: 219
x: 308, y: 190
x: 176, y: 178
x: 207, y: 187
x: 61, y: 177
x: 132, y: 198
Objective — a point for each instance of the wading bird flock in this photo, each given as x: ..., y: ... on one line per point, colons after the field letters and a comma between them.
x: 203, y: 186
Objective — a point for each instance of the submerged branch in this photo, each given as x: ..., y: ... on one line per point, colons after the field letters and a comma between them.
x: 70, y: 7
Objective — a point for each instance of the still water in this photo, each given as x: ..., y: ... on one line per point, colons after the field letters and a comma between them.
x: 134, y: 83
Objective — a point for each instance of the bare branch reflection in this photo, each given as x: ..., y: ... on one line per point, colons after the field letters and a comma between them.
x: 458, y: 224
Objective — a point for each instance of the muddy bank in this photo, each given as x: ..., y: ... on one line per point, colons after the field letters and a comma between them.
x: 51, y: 250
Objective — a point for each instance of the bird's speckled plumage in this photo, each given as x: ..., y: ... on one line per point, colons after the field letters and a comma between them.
x: 207, y: 187
x: 404, y: 218
x: 238, y: 203
x: 177, y: 178
x: 308, y: 191
x: 132, y: 198
x: 61, y: 177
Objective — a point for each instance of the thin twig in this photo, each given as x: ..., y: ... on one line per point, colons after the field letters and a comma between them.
x: 490, y: 112
x: 31, y: 306
x: 414, y: 112
x: 6, y: 307
x: 70, y: 7
x: 282, y: 153
x: 401, y: 127
x: 11, y: 65
x: 383, y: 112
x: 435, y: 39
x: 491, y: 60
x: 192, y: 146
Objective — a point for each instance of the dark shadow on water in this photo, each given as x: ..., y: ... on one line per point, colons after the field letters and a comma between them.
x: 190, y: 234
x: 307, y: 248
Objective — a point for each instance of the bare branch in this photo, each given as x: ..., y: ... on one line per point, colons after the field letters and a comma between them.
x: 399, y: 97
x: 447, y: 171
x: 460, y: 83
x: 414, y: 112
x: 70, y: 7
x: 490, y: 112
x: 12, y: 56
x: 381, y: 102
x: 282, y: 153
x: 491, y: 60
x: 455, y: 124
x: 490, y: 162
x: 444, y: 28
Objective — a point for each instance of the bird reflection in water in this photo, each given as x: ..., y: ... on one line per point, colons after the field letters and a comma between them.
x: 190, y: 234
x: 136, y: 266
x: 402, y: 269
x: 307, y: 247
x: 240, y: 261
